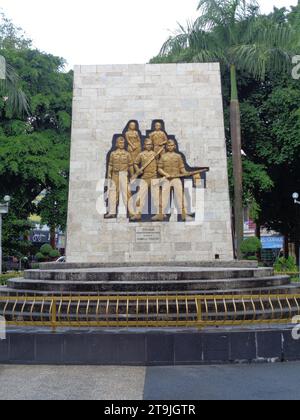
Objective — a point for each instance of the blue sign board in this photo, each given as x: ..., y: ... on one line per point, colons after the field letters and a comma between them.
x: 272, y: 242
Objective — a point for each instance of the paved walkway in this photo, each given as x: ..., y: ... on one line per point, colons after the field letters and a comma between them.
x: 242, y: 382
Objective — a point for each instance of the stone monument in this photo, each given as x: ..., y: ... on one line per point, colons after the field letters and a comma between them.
x: 149, y: 233
x: 148, y: 177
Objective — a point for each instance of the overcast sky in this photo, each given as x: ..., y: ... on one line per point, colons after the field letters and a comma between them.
x: 102, y: 32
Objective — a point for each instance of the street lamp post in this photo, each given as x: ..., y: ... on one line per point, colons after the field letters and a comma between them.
x: 295, y: 198
x: 4, y: 205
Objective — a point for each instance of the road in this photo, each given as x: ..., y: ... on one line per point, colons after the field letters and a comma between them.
x: 234, y: 382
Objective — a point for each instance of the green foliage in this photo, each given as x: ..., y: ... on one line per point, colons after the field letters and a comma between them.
x: 286, y: 265
x: 54, y: 254
x: 34, y: 151
x: 46, y: 250
x: 46, y: 253
x: 256, y: 180
x: 233, y: 33
x: 252, y: 258
x: 5, y: 277
x: 250, y: 247
x: 35, y: 266
x: 40, y: 257
x: 12, y: 37
x: 13, y: 99
x: 271, y: 136
x: 53, y: 207
x: 260, y: 47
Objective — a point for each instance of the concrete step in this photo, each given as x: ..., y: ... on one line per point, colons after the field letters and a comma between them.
x: 146, y: 274
x: 202, y: 264
x: 285, y: 289
x: 174, y: 286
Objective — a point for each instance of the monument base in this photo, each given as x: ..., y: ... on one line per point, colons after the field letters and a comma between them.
x: 149, y: 347
x: 213, y: 278
x: 36, y: 293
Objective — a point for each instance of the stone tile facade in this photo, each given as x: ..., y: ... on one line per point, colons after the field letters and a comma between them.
x: 188, y: 98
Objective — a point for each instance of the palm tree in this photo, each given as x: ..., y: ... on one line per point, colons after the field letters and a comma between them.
x: 234, y: 33
x: 11, y: 91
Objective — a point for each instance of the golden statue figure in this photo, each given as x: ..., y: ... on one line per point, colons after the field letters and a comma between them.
x: 146, y: 166
x: 161, y: 169
x: 158, y: 138
x: 120, y: 166
x: 134, y: 141
x: 171, y: 166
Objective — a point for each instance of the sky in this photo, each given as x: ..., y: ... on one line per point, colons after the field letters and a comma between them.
x: 105, y: 32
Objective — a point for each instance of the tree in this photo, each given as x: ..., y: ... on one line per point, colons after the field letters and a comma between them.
x: 34, y: 150
x: 11, y: 36
x: 280, y: 117
x: 271, y: 133
x: 234, y: 33
x: 29, y: 164
x: 53, y: 209
x: 11, y: 93
x: 251, y: 247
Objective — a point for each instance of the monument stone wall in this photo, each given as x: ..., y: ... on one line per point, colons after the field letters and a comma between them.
x: 188, y: 99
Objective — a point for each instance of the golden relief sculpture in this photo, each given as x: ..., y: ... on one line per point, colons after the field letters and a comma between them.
x: 120, y: 167
x: 157, y: 172
x: 134, y: 141
x: 159, y: 138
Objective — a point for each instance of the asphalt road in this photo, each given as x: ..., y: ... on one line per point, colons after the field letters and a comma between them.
x: 235, y: 382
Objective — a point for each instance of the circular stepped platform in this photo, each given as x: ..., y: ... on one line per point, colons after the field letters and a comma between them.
x: 274, y: 290
x: 124, y: 289
x: 118, y: 287
x: 148, y: 280
x: 143, y: 287
x: 146, y: 274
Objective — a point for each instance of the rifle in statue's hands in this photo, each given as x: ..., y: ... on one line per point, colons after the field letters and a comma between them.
x: 188, y: 174
x: 142, y: 169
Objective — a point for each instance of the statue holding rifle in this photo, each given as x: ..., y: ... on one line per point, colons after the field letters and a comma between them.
x: 172, y: 168
x: 161, y: 170
x: 145, y: 166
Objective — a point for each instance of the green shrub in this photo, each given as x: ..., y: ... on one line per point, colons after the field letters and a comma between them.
x: 46, y: 250
x: 35, y: 266
x: 40, y: 257
x: 250, y: 247
x: 5, y: 277
x: 252, y: 258
x: 54, y: 254
x: 286, y: 265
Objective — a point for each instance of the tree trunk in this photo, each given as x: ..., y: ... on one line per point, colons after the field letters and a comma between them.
x: 286, y: 247
x: 53, y: 236
x: 297, y: 252
x: 236, y: 139
x: 258, y: 235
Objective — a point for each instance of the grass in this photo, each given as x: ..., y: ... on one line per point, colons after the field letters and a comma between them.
x: 5, y: 277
